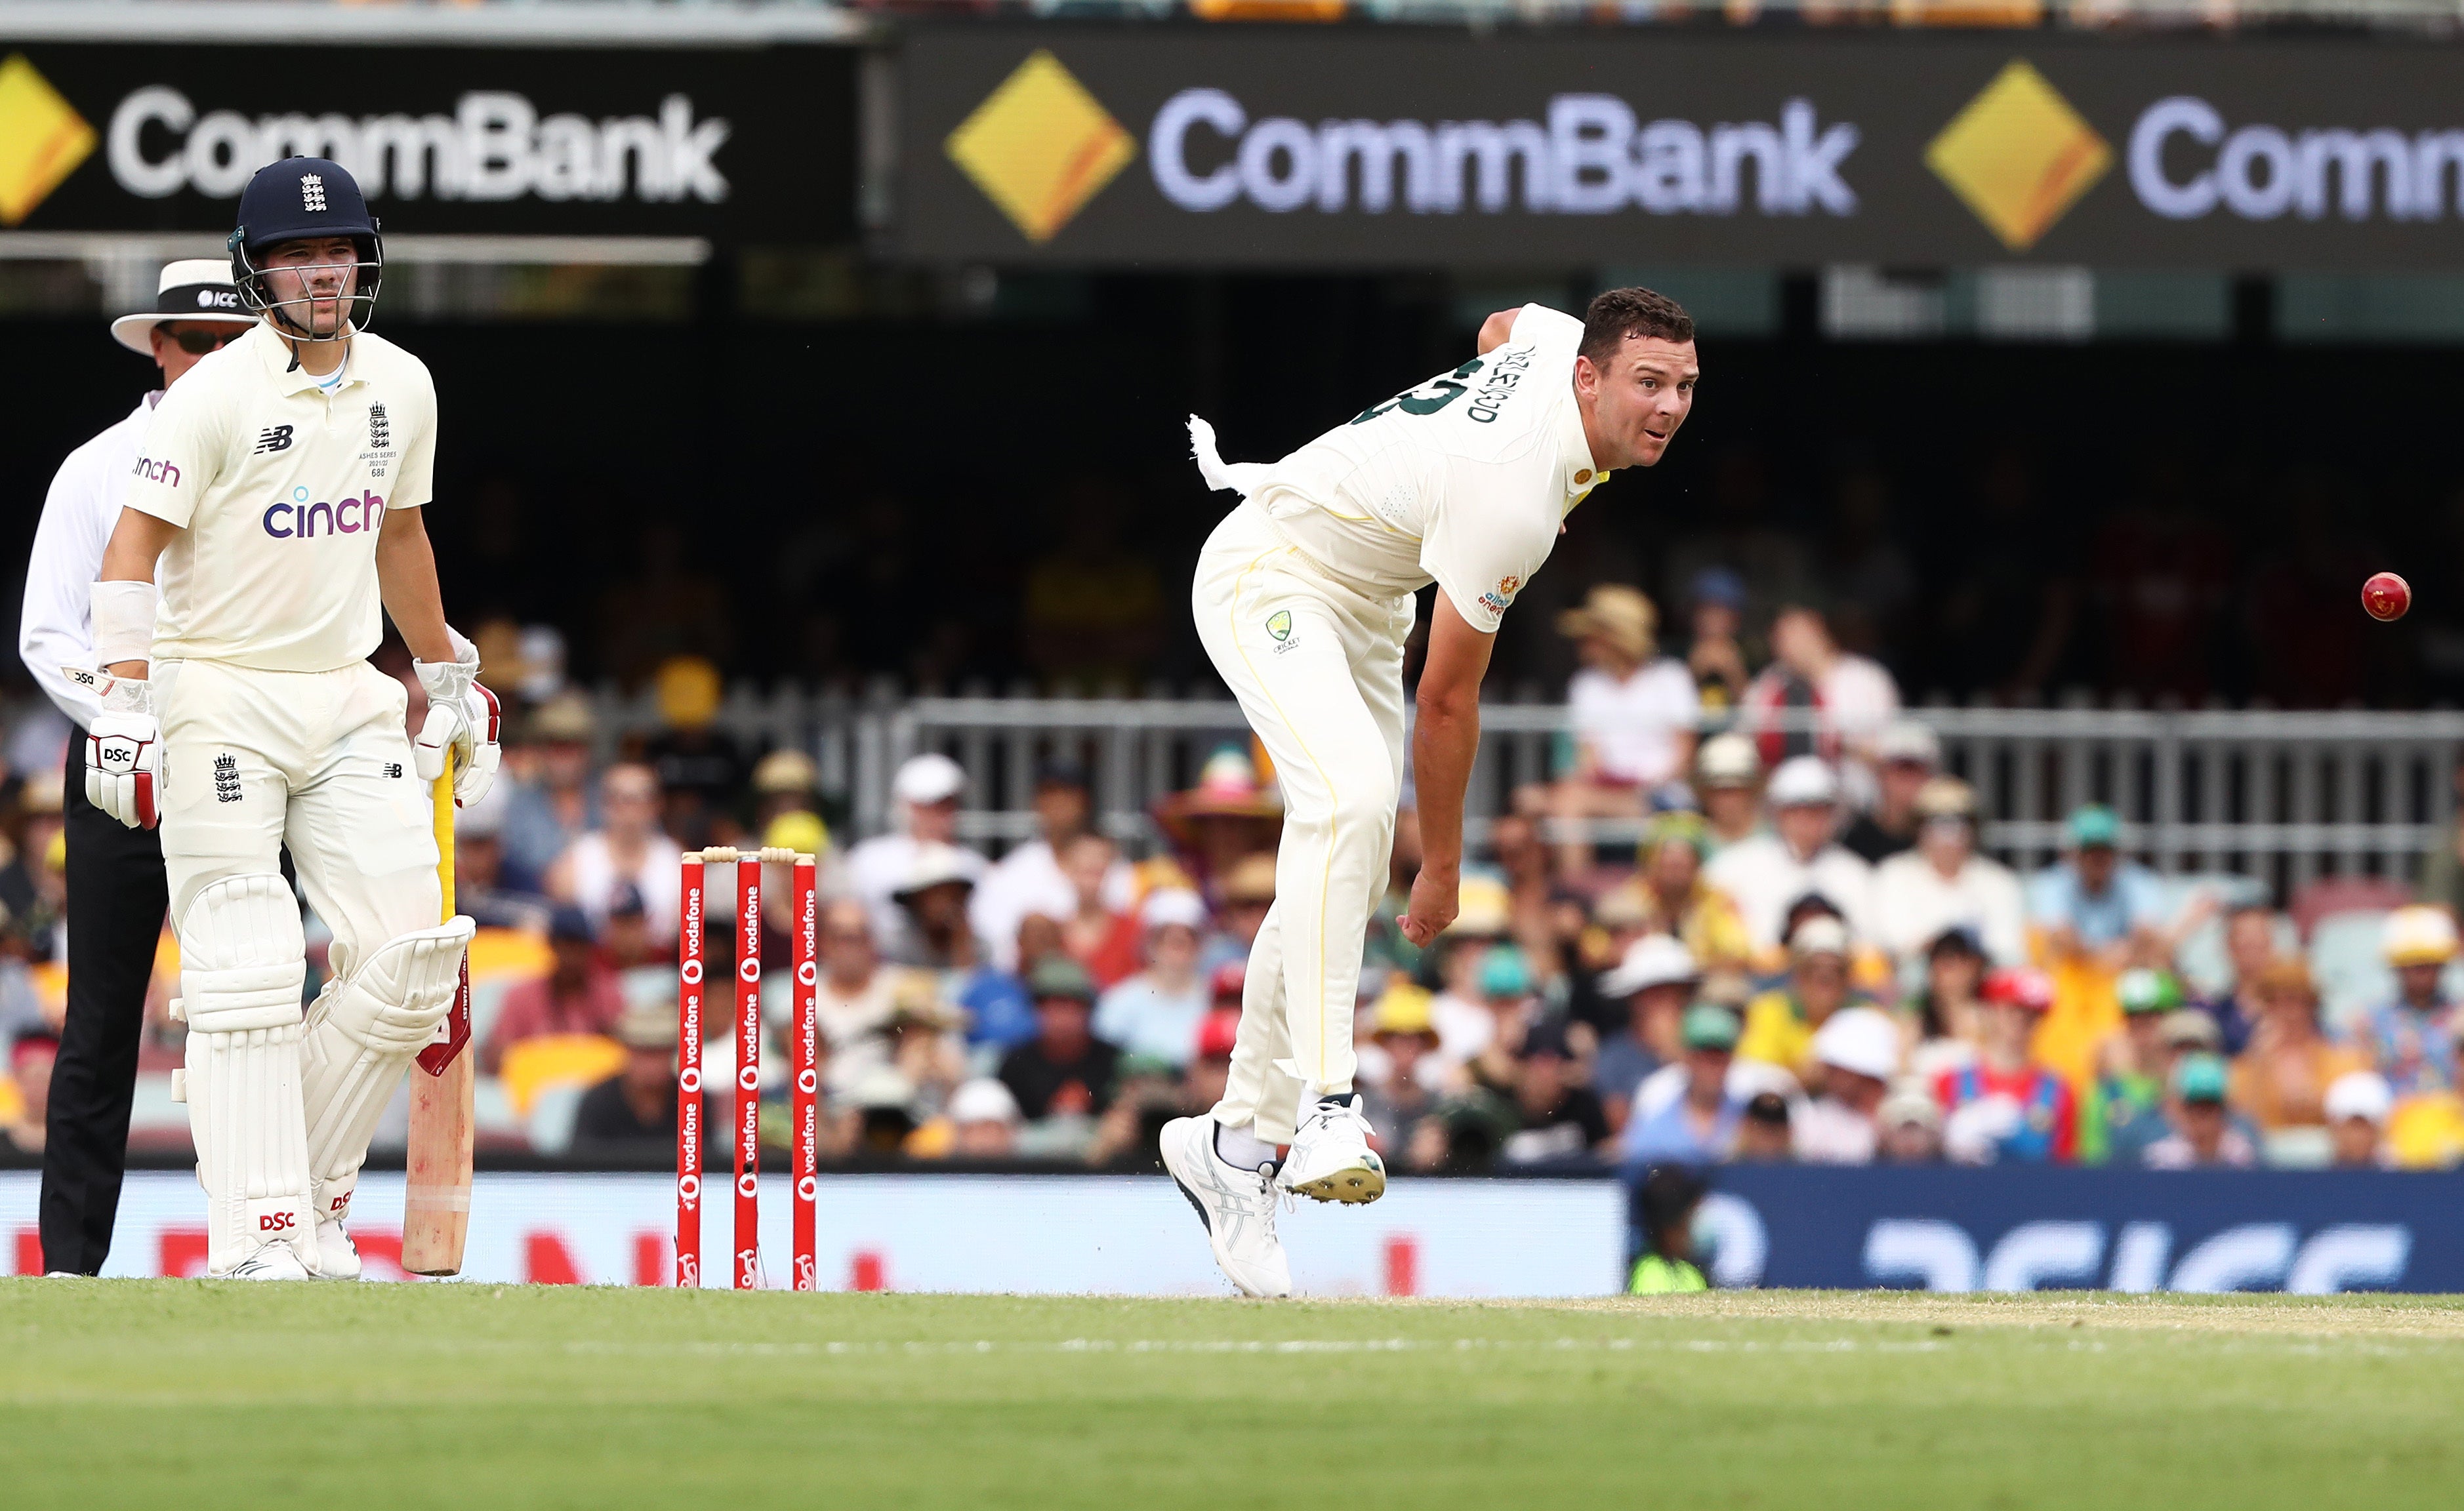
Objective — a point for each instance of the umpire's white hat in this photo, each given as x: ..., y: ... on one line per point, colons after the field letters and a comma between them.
x: 194, y: 288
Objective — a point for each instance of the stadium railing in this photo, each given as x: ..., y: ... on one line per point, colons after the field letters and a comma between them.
x: 2290, y: 796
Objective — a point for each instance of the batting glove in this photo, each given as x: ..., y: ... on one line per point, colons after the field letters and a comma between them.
x: 464, y: 720
x: 123, y: 749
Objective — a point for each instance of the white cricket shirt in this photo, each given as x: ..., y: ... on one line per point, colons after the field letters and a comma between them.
x: 280, y: 489
x: 56, y: 627
x: 1463, y: 481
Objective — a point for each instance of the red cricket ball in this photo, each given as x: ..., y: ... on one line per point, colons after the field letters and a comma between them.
x: 2385, y: 596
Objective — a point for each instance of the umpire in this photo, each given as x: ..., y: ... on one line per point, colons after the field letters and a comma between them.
x: 115, y: 877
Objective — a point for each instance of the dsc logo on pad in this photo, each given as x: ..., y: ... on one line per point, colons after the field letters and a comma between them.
x: 277, y: 1222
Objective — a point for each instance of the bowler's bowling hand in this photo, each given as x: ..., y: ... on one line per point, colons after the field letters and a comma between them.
x: 1434, y: 901
x: 123, y: 749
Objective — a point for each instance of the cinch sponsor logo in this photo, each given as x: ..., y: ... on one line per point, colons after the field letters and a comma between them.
x: 494, y: 146
x: 296, y: 518
x: 2187, y: 163
x: 154, y: 471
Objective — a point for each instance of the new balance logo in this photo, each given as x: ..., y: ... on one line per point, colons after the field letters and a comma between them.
x: 226, y: 780
x: 312, y: 191
x: 272, y: 438
x: 394, y: 769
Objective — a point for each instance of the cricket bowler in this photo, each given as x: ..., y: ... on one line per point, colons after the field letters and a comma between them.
x: 280, y: 486
x: 1303, y: 599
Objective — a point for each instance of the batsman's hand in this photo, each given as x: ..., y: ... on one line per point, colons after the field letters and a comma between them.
x: 464, y: 720
x: 123, y: 749
x: 1435, y: 899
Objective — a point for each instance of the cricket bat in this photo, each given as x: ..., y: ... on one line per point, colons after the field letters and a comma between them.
x: 436, y: 1198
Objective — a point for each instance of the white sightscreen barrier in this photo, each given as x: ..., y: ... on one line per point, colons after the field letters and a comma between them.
x: 1115, y: 1235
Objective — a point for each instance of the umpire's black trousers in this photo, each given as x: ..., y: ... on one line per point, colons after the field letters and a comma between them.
x: 116, y: 894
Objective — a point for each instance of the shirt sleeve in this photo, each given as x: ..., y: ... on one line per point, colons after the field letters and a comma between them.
x: 55, y: 628
x: 1538, y: 325
x: 414, y: 485
x: 1476, y: 549
x: 181, y: 456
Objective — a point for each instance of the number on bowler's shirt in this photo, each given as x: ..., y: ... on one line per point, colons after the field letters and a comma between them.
x: 1427, y: 399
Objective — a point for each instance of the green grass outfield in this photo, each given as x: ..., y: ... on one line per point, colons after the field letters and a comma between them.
x: 174, y: 1393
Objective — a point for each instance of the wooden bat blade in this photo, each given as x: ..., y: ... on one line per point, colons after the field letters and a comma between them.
x: 436, y: 1196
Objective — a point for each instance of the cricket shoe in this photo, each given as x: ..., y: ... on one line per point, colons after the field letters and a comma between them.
x: 272, y: 1261
x: 1329, y: 1158
x: 338, y: 1258
x: 1236, y: 1206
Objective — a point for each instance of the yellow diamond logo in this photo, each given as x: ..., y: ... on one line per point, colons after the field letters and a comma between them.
x: 2019, y: 156
x: 42, y: 139
x: 1040, y: 148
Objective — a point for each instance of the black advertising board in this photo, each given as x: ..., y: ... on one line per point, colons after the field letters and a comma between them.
x: 1393, y: 147
x: 735, y: 143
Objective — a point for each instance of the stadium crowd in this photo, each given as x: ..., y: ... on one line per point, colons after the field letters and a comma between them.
x: 1806, y: 957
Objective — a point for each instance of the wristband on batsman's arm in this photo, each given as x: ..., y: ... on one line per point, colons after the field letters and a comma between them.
x: 124, y: 622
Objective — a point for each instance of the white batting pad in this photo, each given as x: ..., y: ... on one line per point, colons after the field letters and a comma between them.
x: 364, y: 1032
x: 242, y: 963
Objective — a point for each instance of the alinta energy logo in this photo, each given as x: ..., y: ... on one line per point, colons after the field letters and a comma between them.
x: 1041, y: 146
x: 2018, y: 156
x: 42, y: 139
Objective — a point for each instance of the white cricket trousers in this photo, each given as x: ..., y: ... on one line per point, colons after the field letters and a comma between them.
x: 318, y: 760
x: 1317, y: 664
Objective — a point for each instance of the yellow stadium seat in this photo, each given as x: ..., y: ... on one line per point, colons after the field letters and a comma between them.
x: 557, y: 1060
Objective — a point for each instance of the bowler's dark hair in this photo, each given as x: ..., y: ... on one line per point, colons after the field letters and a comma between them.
x: 1621, y: 312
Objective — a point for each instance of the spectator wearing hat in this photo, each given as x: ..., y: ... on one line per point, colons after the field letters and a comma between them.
x: 1857, y: 1053
x: 2412, y: 1035
x: 634, y: 1111
x: 1782, y: 1023
x: 2281, y: 1078
x: 1247, y: 892
x: 579, y: 995
x: 787, y: 781
x: 1232, y: 812
x: 2202, y: 1131
x: 1675, y: 897
x: 627, y: 848
x: 1907, y: 754
x: 550, y: 800
x: 1562, y: 1121
x: 931, y: 901
x: 1030, y: 880
x: 2124, y: 1112
x: 1943, y: 882
x: 924, y: 797
x: 1942, y: 1013
x: 1654, y: 983
x: 698, y: 765
x: 114, y: 873
x: 1697, y: 1126
x: 1486, y: 1004
x: 1909, y: 1125
x: 1729, y: 783
x: 1632, y: 712
x: 1768, y: 872
x: 927, y: 1042
x: 1715, y: 656
x: 1850, y: 697
x: 2006, y: 1108
x: 983, y: 1120
x: 2095, y: 904
x: 1155, y: 1011
x: 2358, y: 1105
x: 1065, y: 1071
x: 1402, y: 1079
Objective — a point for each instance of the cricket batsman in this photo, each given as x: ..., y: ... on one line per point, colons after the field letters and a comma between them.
x: 1303, y: 597
x: 280, y: 486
